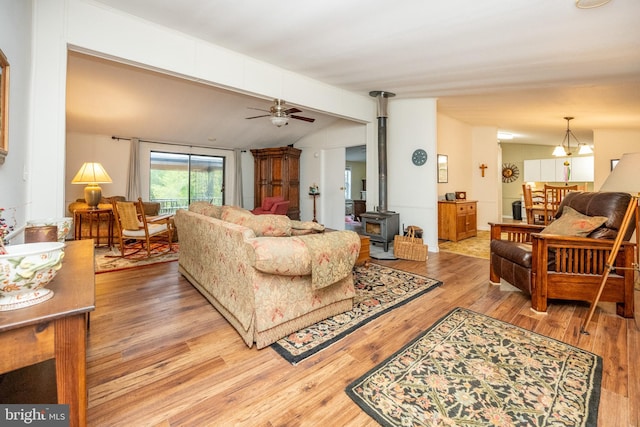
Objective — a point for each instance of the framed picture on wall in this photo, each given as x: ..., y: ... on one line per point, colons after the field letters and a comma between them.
x: 443, y: 168
x: 4, y: 107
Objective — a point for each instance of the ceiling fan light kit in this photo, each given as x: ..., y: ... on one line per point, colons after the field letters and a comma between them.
x: 279, y: 116
x: 279, y: 120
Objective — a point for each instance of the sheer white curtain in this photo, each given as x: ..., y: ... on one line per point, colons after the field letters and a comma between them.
x: 133, y: 186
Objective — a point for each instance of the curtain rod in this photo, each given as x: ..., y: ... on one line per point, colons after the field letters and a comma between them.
x: 173, y: 143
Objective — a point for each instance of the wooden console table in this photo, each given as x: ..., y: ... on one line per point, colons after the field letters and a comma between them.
x: 56, y: 328
x: 457, y: 220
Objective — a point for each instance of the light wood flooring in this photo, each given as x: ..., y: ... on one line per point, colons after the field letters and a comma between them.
x: 160, y: 355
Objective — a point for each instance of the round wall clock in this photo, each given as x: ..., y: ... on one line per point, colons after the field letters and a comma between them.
x: 419, y: 157
x: 510, y: 172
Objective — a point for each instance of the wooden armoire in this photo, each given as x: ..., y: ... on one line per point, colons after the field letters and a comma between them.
x: 277, y: 173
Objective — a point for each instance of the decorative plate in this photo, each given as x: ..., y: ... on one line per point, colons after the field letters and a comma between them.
x: 510, y: 172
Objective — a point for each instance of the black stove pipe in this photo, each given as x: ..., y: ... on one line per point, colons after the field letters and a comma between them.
x: 382, y: 97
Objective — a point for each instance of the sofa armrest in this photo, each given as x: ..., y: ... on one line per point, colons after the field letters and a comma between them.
x: 514, y: 232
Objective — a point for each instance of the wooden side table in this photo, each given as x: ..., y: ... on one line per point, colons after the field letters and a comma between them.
x: 315, y: 196
x: 56, y: 328
x: 94, y: 215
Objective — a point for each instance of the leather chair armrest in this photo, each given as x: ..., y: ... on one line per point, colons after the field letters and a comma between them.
x: 514, y: 232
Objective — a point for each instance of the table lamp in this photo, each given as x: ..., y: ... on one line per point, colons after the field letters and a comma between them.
x: 92, y: 174
x: 623, y: 178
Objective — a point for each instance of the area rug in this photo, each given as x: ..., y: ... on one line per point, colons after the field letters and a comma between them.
x: 477, y: 247
x: 379, y: 289
x: 472, y: 370
x: 108, y: 259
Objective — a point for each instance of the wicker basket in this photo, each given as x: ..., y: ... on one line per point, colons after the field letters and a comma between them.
x: 409, y: 247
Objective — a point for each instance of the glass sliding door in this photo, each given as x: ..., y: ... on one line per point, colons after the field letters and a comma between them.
x: 176, y: 180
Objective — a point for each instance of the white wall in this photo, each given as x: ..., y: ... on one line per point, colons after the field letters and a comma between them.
x: 412, y: 190
x: 486, y: 190
x: 112, y: 154
x: 340, y: 134
x: 611, y: 144
x: 454, y: 140
x: 15, y: 42
x: 90, y: 27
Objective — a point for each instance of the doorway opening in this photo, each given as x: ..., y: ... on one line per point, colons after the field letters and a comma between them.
x: 355, y: 186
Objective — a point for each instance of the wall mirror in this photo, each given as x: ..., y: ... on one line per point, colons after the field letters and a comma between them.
x: 4, y: 107
x: 443, y: 168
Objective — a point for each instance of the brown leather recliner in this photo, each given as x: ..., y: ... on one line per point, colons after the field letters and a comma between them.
x: 549, y: 266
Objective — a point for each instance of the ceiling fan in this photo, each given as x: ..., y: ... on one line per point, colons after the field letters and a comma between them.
x: 279, y: 116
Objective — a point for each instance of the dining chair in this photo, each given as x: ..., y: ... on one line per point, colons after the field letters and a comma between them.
x: 553, y: 196
x: 533, y: 204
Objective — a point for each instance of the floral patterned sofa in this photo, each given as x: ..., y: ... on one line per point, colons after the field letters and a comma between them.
x: 267, y: 275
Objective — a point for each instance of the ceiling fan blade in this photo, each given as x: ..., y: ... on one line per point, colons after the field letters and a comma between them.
x: 306, y: 119
x: 259, y: 109
x: 255, y: 117
x: 293, y: 110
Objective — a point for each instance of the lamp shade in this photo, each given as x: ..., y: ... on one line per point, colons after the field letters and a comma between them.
x: 624, y: 177
x: 91, y: 173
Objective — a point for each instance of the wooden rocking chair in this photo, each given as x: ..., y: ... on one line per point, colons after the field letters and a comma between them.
x: 136, y: 233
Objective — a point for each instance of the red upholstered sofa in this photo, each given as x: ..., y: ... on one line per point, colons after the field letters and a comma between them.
x: 275, y: 205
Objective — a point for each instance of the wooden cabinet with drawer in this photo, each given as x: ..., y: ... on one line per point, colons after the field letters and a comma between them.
x: 457, y: 220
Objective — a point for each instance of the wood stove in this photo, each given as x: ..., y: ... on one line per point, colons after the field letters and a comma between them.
x: 381, y: 227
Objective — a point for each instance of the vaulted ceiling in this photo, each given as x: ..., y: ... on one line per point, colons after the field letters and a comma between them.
x: 520, y: 66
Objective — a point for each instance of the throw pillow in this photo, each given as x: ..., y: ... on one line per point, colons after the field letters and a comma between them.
x: 573, y: 223
x: 262, y: 225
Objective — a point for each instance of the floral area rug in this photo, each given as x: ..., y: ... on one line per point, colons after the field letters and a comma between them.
x: 379, y: 289
x: 477, y: 247
x: 109, y: 259
x: 470, y: 369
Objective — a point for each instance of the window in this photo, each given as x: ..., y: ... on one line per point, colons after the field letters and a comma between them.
x: 347, y: 183
x: 177, y: 179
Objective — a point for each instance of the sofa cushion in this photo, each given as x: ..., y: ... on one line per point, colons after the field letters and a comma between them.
x: 262, y: 225
x: 573, y: 223
x: 300, y: 228
x: 285, y: 257
x: 206, y: 208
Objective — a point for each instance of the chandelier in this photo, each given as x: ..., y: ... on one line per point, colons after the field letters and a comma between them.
x: 564, y: 149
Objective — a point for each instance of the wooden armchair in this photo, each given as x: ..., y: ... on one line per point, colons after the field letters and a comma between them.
x: 553, y: 266
x: 135, y: 232
x: 275, y: 205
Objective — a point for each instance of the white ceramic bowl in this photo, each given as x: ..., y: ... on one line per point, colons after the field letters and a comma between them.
x: 25, y: 271
x: 63, y: 224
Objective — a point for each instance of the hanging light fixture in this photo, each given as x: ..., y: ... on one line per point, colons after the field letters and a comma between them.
x: 562, y: 150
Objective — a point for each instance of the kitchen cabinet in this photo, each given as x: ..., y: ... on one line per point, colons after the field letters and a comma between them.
x: 553, y: 170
